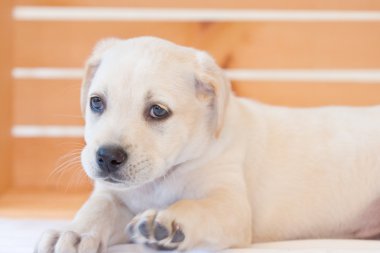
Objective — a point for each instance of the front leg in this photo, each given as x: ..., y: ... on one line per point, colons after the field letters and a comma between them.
x: 221, y: 220
x: 99, y: 223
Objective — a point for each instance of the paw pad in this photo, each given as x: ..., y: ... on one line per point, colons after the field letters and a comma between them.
x: 156, y: 231
x: 160, y: 232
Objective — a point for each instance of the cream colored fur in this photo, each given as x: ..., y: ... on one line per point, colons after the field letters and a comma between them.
x: 227, y: 171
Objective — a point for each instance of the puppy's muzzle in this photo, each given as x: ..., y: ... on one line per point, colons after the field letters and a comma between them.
x: 110, y: 158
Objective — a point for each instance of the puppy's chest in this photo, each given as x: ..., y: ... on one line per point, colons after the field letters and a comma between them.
x: 152, y: 197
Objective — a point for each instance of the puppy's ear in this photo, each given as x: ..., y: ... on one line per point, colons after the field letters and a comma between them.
x: 92, y: 65
x: 211, y: 84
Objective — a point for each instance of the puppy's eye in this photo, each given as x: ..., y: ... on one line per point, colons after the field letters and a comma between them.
x: 96, y: 104
x: 158, y: 112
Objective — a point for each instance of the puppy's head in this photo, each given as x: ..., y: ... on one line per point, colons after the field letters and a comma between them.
x: 149, y: 106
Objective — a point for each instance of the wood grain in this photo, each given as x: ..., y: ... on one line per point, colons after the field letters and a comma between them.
x: 272, y: 45
x: 257, y: 4
x: 48, y: 163
x: 301, y: 94
x: 56, y: 102
x: 36, y: 204
x: 5, y: 94
x: 47, y: 102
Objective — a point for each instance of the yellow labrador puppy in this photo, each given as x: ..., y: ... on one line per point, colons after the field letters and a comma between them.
x: 179, y: 162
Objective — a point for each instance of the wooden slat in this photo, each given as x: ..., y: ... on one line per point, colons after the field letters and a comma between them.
x: 260, y: 4
x: 301, y: 94
x: 47, y: 102
x: 5, y: 93
x: 49, y: 163
x: 56, y: 102
x: 234, y: 45
x: 27, y: 203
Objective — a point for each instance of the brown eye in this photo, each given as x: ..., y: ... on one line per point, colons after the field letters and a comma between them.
x: 97, y: 104
x: 158, y: 112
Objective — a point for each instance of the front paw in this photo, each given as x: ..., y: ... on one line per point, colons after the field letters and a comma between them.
x: 156, y: 229
x: 68, y: 242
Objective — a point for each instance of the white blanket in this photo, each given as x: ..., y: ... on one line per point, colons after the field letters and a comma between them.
x: 19, y: 236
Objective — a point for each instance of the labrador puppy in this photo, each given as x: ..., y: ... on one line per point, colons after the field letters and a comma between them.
x: 180, y: 162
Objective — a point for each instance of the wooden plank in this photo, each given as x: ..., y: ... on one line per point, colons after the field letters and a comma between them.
x: 56, y: 102
x: 243, y: 4
x: 49, y: 163
x: 34, y: 204
x: 71, y: 48
x: 301, y: 94
x: 234, y: 45
x: 5, y: 93
x: 47, y: 102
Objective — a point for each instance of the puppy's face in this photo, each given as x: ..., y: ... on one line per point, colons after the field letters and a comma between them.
x: 147, y: 111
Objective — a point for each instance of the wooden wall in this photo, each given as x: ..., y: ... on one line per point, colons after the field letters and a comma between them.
x: 5, y: 94
x: 261, y: 45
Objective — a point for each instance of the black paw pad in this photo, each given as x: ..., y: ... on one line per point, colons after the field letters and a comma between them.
x: 178, y: 236
x: 144, y: 229
x: 130, y: 229
x: 160, y: 232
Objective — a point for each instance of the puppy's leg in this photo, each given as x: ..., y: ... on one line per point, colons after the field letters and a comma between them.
x: 221, y: 220
x: 99, y: 223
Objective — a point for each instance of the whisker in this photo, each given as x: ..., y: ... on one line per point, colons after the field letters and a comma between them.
x: 57, y: 174
x: 73, y: 166
x: 66, y: 168
x: 65, y: 164
x: 82, y: 178
x: 68, y: 155
x: 66, y: 160
x: 70, y: 183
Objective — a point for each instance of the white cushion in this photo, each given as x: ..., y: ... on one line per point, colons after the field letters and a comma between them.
x: 19, y: 236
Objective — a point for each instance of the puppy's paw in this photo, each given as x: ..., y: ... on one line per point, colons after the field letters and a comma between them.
x: 68, y: 242
x: 156, y: 229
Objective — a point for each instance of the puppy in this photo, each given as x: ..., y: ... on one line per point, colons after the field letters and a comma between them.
x: 179, y: 162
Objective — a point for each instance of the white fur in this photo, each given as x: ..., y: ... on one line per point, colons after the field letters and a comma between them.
x: 227, y: 170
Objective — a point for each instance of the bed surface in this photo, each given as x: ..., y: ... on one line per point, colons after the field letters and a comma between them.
x: 19, y: 236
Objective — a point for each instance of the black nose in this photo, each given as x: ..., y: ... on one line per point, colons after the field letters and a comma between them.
x: 110, y: 158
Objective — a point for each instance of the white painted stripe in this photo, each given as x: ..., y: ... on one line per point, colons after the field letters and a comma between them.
x: 173, y: 14
x: 34, y: 131
x: 346, y: 75
x: 355, y: 76
x: 47, y: 73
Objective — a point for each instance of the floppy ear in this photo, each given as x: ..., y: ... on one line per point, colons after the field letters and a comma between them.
x: 212, y: 84
x: 92, y: 65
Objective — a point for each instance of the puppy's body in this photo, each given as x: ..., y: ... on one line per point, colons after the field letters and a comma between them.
x: 221, y: 171
x: 335, y: 151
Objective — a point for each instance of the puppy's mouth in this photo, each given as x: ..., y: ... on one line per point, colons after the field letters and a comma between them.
x: 122, y: 182
x: 109, y: 178
x: 113, y: 181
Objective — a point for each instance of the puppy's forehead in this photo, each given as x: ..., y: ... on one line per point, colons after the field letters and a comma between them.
x: 146, y: 64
